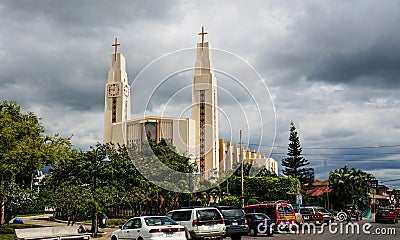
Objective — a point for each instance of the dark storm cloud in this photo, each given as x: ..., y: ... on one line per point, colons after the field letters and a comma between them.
x: 332, y: 67
x: 350, y: 42
x: 376, y: 66
x: 54, y: 56
x: 94, y: 14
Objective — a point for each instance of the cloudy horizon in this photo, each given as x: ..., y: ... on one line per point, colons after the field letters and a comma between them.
x: 331, y: 67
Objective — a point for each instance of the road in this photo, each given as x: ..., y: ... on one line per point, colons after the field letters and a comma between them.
x: 370, y: 232
x: 367, y: 229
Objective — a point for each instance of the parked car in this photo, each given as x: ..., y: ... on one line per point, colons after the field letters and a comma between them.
x: 260, y: 223
x: 200, y: 222
x: 328, y: 216
x: 311, y: 215
x: 354, y: 211
x: 397, y: 211
x: 305, y: 213
x: 386, y: 215
x: 235, y: 222
x: 150, y: 227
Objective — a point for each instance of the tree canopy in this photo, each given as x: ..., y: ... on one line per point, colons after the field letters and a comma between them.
x: 24, y: 149
x: 349, y: 186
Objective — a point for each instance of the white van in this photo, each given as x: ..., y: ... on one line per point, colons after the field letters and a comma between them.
x: 200, y: 222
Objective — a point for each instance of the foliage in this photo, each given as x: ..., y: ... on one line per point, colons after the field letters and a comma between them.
x: 115, y: 222
x: 230, y: 201
x: 349, y: 185
x: 23, y: 151
x: 73, y: 174
x: 264, y: 188
x: 252, y: 201
x: 295, y: 164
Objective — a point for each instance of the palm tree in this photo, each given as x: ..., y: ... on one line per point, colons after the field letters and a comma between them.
x: 349, y: 185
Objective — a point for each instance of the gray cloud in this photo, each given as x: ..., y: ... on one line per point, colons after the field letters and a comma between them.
x: 331, y: 67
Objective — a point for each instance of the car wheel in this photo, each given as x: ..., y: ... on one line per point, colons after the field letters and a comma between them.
x: 253, y: 232
x: 114, y: 238
x: 140, y: 238
x: 236, y: 237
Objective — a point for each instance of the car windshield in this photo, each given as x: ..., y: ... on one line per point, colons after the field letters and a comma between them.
x: 322, y: 210
x: 232, y: 212
x: 384, y: 210
x: 260, y: 216
x: 155, y: 221
x: 288, y: 210
x: 350, y: 207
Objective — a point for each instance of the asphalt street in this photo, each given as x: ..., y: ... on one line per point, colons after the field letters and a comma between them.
x: 366, y: 229
x: 362, y: 230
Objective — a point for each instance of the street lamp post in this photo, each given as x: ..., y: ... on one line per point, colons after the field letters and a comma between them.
x: 105, y: 160
x: 192, y: 165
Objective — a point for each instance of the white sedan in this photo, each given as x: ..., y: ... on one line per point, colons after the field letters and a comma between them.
x: 150, y: 228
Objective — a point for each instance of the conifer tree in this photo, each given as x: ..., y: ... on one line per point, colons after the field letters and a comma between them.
x: 295, y: 164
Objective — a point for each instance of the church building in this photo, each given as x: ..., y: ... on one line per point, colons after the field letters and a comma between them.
x: 197, y: 137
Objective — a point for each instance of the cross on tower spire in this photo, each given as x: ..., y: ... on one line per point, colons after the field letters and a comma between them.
x: 116, y: 44
x: 202, y: 36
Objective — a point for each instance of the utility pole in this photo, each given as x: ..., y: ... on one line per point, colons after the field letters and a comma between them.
x: 241, y: 165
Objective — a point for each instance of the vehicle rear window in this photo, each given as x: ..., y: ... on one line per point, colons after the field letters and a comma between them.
x: 180, y: 215
x: 305, y: 211
x: 154, y: 221
x: 232, y: 212
x: 208, y: 214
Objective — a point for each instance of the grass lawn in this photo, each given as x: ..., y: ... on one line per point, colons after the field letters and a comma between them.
x: 6, y: 236
x: 7, y: 230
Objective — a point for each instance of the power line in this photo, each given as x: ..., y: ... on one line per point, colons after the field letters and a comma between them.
x: 351, y: 160
x: 392, y: 180
x: 358, y: 147
x: 335, y: 154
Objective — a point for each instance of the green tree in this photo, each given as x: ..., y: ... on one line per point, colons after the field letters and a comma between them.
x: 23, y: 150
x: 295, y: 164
x: 264, y: 188
x: 230, y: 201
x: 349, y: 185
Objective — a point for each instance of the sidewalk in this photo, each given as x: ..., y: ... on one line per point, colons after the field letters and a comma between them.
x: 43, y: 220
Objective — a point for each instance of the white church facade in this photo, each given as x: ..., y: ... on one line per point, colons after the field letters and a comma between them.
x: 197, y: 137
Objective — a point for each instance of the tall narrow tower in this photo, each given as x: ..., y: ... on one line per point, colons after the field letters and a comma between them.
x: 205, y: 108
x: 117, y: 109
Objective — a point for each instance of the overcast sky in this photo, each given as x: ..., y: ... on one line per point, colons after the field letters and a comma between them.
x: 332, y: 67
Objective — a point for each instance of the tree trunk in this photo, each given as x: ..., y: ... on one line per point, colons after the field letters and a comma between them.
x: 2, y: 210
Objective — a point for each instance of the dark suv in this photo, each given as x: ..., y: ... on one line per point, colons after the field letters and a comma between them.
x: 235, y: 222
x: 354, y: 211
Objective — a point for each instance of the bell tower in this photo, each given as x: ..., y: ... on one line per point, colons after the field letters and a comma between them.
x: 117, y: 109
x: 205, y: 108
